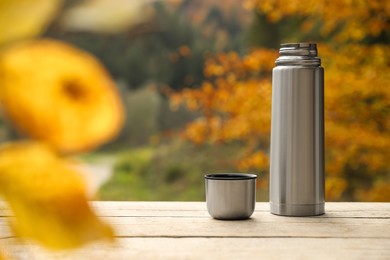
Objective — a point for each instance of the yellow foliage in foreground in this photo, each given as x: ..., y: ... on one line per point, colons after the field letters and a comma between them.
x: 48, y: 197
x: 65, y: 99
x: 22, y: 19
x: 59, y: 95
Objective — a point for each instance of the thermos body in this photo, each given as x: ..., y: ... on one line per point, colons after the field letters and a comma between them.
x: 297, y: 182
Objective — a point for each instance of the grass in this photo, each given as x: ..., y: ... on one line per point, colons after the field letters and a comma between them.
x: 172, y: 171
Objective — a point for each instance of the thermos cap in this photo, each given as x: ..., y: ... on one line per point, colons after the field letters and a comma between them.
x: 230, y: 195
x: 298, y: 54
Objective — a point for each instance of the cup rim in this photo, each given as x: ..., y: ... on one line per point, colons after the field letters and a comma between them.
x: 230, y: 176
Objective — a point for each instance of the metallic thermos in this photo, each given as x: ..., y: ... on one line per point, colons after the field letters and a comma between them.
x: 297, y: 180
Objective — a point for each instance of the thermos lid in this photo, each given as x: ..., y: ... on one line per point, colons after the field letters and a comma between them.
x: 298, y: 54
x: 300, y: 49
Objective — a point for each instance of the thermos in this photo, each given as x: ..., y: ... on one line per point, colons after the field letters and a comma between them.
x: 297, y: 181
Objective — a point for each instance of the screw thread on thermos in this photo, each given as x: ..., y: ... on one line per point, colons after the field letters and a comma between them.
x: 297, y: 181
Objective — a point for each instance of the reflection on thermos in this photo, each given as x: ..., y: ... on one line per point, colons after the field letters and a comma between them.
x: 297, y: 181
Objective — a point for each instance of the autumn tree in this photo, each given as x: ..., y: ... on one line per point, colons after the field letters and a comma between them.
x: 235, y: 100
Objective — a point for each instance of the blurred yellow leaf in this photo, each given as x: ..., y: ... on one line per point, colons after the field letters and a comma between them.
x: 47, y: 197
x: 60, y: 95
x: 21, y: 19
x: 105, y: 16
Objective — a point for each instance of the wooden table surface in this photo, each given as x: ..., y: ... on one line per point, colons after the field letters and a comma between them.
x: 184, y: 230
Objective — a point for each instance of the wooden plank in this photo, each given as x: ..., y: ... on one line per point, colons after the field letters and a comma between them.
x: 258, y: 226
x: 215, y: 248
x: 333, y: 209
x: 261, y: 225
x: 184, y: 230
x: 169, y: 220
x: 122, y: 208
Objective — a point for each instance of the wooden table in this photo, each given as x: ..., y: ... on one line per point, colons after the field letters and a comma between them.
x: 184, y: 230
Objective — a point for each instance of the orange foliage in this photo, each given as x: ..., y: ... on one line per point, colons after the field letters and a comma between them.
x: 236, y: 97
x: 350, y: 19
x: 227, y: 118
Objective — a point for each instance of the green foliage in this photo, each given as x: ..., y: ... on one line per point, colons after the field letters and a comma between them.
x: 148, y: 118
x: 129, y: 180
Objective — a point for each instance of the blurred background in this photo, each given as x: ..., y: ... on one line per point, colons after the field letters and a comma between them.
x: 195, y: 77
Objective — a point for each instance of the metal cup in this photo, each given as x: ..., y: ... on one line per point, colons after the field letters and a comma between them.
x: 230, y: 195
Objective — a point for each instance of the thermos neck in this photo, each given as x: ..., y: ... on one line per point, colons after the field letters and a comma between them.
x: 298, y: 54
